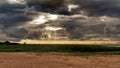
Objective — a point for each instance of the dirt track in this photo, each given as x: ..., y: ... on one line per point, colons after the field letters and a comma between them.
x: 56, y: 60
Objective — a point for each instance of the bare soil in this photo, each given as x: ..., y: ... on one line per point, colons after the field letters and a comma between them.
x: 56, y: 60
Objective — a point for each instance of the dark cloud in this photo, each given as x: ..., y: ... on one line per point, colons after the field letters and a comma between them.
x: 79, y: 22
x: 100, y: 7
x: 49, y: 6
x: 92, y: 7
x: 45, y: 3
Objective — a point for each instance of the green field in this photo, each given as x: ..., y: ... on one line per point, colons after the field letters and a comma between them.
x: 60, y: 48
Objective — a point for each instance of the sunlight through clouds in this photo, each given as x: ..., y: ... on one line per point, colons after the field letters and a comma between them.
x: 41, y: 19
x: 17, y: 1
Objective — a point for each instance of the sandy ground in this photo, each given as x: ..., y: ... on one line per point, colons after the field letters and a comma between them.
x: 57, y: 60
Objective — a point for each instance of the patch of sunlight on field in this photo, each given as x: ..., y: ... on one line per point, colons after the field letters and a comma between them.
x: 66, y: 42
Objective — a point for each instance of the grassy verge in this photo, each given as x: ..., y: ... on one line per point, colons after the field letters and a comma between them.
x: 83, y: 49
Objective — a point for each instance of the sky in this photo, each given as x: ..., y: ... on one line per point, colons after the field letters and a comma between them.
x: 75, y: 19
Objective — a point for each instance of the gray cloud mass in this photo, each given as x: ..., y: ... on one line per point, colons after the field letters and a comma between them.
x: 79, y: 18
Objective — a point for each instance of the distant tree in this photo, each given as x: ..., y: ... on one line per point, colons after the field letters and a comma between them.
x: 7, y: 42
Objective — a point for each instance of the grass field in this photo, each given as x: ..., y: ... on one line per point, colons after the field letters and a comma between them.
x: 60, y: 48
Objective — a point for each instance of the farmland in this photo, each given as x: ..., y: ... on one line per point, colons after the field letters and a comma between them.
x: 59, y: 56
x: 64, y: 48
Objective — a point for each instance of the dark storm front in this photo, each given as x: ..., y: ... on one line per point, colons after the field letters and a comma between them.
x: 64, y: 19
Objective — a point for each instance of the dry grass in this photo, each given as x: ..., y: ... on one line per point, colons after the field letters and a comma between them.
x: 66, y: 42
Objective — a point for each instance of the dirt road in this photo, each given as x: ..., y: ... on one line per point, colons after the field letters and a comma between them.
x: 57, y: 60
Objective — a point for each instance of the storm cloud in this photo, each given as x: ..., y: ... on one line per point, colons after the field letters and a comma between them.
x: 21, y: 19
x: 91, y: 7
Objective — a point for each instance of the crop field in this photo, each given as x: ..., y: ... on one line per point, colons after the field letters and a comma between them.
x: 59, y: 48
